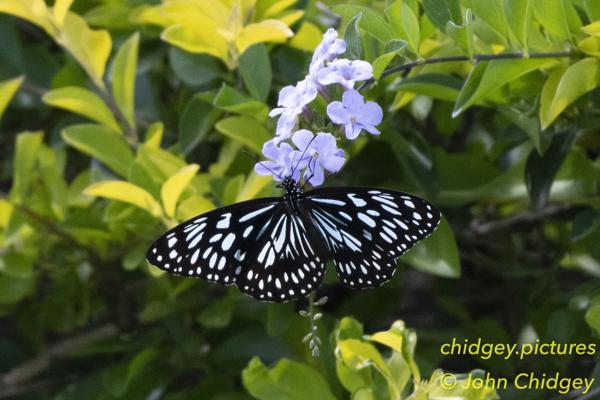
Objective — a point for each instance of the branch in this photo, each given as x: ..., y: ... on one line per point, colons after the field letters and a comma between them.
x: 476, y: 57
x: 39, y: 363
x: 523, y: 219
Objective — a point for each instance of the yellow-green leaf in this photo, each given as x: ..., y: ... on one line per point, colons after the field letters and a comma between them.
x: 125, y: 192
x: 592, y: 29
x: 307, y: 37
x: 7, y: 91
x: 196, y: 42
x: 577, y: 80
x: 174, y: 186
x: 590, y: 46
x: 60, y: 9
x: 90, y: 48
x: 358, y: 354
x: 154, y: 135
x: 389, y: 339
x: 34, y: 11
x: 252, y: 187
x: 269, y: 30
x: 123, y: 77
x: 82, y: 102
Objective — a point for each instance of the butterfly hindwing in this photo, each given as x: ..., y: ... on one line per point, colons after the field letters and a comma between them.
x: 289, y: 260
x: 366, y: 229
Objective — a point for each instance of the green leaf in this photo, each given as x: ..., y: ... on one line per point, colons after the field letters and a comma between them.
x: 174, y: 186
x: 127, y: 193
x: 118, y: 379
x: 7, y: 91
x: 592, y: 317
x: 518, y: 17
x: 438, y: 254
x: 557, y: 95
x: 371, y: 22
x: 585, y: 223
x: 246, y: 131
x: 439, y: 86
x: 552, y: 15
x: 492, y: 13
x: 197, y: 120
x: 352, y: 39
x: 288, y: 380
x: 405, y: 23
x: 194, y: 69
x: 487, y: 77
x: 255, y: 69
x: 26, y: 151
x: 440, y: 12
x: 592, y: 7
x: 463, y: 33
x: 123, y: 77
x: 229, y: 99
x: 391, y: 50
x: 218, y: 314
x: 102, y: 143
x: 83, y: 102
x: 541, y: 169
x: 13, y: 289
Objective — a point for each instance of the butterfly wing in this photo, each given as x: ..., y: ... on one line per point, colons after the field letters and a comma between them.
x: 214, y: 246
x: 288, y: 261
x: 365, y: 230
x: 259, y: 245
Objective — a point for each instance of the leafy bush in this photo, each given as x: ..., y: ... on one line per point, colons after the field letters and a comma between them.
x: 122, y: 118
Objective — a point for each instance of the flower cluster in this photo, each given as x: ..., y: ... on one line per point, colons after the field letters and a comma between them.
x: 317, y: 154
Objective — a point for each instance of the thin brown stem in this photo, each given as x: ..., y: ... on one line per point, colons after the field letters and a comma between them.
x: 42, y: 361
x: 476, y: 57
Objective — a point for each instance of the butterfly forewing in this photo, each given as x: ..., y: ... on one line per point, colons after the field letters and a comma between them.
x: 214, y: 246
x: 365, y: 230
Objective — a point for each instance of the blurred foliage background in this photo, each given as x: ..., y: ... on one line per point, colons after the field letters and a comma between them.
x: 121, y: 118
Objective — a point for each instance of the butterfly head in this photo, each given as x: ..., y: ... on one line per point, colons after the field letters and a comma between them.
x: 290, y: 185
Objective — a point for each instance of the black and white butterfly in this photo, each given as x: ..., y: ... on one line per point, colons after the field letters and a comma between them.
x: 276, y: 248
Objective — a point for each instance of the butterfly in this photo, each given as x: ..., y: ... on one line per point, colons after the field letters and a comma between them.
x: 277, y: 248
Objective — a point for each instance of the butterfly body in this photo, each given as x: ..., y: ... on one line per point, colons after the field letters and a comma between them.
x: 277, y: 248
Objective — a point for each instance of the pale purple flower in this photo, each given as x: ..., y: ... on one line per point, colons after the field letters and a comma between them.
x: 320, y: 153
x: 355, y: 114
x: 345, y: 72
x: 285, y: 161
x: 292, y: 100
x: 329, y: 48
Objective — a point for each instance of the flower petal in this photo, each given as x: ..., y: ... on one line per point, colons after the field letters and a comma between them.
x: 337, y: 113
x: 302, y: 139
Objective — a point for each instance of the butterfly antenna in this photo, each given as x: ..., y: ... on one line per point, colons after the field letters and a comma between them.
x: 302, y: 155
x: 309, y: 177
x: 255, y: 158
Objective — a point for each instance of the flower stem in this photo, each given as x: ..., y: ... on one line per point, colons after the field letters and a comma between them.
x: 476, y: 57
x: 312, y: 337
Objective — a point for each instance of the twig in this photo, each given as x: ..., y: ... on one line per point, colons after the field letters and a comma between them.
x: 39, y: 363
x: 523, y: 219
x: 476, y: 57
x: 590, y: 395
